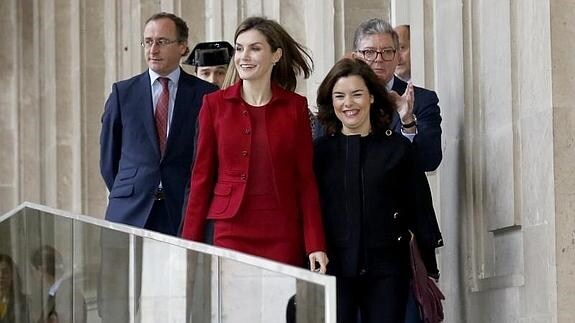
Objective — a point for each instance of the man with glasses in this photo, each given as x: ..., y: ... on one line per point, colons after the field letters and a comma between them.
x: 376, y: 43
x: 146, y: 150
x: 148, y: 128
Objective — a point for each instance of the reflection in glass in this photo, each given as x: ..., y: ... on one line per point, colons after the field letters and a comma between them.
x: 81, y: 269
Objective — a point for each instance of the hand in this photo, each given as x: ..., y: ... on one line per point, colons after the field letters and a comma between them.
x: 404, y: 103
x: 319, y: 257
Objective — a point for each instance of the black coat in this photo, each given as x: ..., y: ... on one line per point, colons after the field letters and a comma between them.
x: 371, y: 193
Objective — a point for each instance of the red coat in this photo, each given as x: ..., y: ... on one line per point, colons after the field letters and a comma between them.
x: 221, y: 168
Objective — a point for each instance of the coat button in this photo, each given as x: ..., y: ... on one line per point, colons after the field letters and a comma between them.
x: 363, y: 272
x: 244, y: 153
x: 243, y: 177
x: 395, y: 215
x: 245, y: 112
x: 247, y: 131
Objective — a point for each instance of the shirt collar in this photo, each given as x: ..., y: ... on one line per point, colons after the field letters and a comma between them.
x: 174, y: 76
x: 389, y: 84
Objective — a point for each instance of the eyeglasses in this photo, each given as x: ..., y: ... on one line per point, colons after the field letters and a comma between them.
x: 371, y: 54
x: 162, y: 42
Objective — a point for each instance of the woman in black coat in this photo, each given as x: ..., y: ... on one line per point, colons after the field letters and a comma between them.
x: 369, y: 197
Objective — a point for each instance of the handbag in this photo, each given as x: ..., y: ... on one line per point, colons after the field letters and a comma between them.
x: 426, y: 292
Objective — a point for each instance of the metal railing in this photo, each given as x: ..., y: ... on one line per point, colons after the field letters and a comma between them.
x: 82, y: 269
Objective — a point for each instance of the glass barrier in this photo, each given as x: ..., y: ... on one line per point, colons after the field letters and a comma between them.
x: 60, y: 267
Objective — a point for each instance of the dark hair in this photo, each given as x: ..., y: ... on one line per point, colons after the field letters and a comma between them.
x: 181, y: 26
x: 15, y: 291
x: 182, y: 30
x: 374, y: 26
x: 295, y: 59
x: 48, y: 260
x: 382, y: 108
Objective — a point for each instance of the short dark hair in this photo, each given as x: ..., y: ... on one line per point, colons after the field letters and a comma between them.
x: 48, y: 260
x: 374, y: 26
x: 382, y: 108
x: 295, y: 58
x: 181, y: 26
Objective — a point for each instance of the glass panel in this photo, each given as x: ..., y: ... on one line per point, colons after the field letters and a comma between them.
x: 87, y: 260
x: 81, y: 269
x: 14, y: 307
x: 112, y: 279
x: 251, y: 294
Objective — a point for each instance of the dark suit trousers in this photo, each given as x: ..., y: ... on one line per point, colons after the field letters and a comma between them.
x: 379, y: 299
x: 160, y: 220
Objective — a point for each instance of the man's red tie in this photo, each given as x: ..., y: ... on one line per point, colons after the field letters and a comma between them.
x: 162, y: 114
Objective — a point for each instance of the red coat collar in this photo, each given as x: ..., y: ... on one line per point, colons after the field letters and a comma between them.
x: 234, y: 92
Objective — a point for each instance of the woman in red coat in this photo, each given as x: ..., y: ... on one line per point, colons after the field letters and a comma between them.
x: 253, y: 173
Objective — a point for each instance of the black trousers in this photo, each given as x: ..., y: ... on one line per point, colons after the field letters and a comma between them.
x: 365, y: 299
x: 160, y: 220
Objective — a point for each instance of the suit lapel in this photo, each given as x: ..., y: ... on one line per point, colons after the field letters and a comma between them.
x: 182, y: 106
x: 399, y: 86
x: 148, y: 111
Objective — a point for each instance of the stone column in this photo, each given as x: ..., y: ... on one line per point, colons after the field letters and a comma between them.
x: 563, y: 80
x: 9, y: 100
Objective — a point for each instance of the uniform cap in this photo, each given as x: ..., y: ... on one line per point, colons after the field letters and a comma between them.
x: 211, y: 54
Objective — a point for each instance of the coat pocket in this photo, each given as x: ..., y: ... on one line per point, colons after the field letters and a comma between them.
x: 220, y: 201
x: 122, y: 191
x: 127, y: 173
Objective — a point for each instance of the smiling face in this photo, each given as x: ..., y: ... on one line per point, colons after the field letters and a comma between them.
x: 352, y: 103
x: 379, y: 42
x: 254, y: 58
x: 163, y: 59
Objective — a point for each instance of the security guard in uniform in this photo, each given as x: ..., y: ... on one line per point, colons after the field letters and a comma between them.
x: 211, y: 60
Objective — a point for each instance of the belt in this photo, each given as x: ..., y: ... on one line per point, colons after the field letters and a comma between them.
x: 159, y: 194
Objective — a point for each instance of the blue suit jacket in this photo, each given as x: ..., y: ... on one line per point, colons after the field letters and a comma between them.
x: 130, y: 159
x: 427, y: 142
x: 428, y: 155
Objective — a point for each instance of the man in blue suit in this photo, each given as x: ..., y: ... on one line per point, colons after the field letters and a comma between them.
x: 146, y: 151
x: 377, y: 43
x: 148, y: 128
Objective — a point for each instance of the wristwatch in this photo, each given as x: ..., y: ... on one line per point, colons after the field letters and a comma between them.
x: 411, y: 124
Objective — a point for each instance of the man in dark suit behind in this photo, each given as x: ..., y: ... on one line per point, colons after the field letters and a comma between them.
x: 145, y: 176
x: 377, y: 43
x: 146, y: 151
